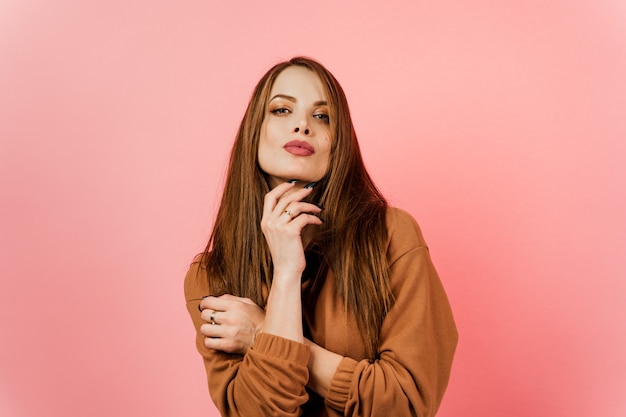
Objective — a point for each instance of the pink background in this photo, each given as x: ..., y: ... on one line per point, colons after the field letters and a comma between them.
x: 500, y: 125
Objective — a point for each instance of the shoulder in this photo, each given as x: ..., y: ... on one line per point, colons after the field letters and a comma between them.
x: 196, y: 283
x: 404, y: 233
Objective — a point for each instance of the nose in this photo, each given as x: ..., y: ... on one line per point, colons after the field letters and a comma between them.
x: 302, y: 126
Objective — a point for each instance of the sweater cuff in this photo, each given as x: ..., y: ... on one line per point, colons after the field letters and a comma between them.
x: 276, y: 346
x: 337, y: 395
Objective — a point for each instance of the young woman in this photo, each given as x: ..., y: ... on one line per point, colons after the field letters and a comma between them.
x: 313, y: 297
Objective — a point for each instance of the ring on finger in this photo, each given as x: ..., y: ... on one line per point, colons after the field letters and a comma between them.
x: 212, y: 317
x: 289, y: 213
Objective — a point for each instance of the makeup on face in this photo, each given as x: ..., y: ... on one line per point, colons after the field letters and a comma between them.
x: 299, y: 148
x: 295, y: 137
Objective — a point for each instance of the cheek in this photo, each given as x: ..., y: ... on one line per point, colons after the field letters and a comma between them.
x: 325, y: 155
x: 263, y: 152
x: 271, y: 132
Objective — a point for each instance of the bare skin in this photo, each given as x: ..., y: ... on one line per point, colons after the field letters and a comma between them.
x: 239, y: 320
x: 297, y: 111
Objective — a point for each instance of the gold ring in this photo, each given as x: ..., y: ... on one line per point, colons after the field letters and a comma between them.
x: 289, y: 213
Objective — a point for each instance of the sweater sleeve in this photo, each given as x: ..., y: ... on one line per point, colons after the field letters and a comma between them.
x: 268, y: 380
x: 417, y: 342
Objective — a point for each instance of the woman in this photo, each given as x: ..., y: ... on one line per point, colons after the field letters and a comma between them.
x: 313, y: 297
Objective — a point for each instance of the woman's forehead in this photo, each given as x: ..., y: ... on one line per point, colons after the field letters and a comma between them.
x: 299, y: 83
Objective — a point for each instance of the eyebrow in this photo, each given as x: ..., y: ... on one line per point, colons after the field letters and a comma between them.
x: 293, y: 99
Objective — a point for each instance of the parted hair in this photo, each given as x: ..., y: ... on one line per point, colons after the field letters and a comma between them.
x: 353, y: 239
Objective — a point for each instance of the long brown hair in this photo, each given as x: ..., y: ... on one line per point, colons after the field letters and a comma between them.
x: 353, y: 239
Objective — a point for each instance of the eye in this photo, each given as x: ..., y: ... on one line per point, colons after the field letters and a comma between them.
x: 323, y: 117
x: 280, y: 110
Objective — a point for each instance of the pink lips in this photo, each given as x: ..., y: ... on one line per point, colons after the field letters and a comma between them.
x: 299, y: 148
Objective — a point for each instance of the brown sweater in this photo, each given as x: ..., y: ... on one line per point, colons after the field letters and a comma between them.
x: 417, y: 343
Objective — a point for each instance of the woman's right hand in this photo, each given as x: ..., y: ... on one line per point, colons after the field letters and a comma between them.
x: 284, y: 218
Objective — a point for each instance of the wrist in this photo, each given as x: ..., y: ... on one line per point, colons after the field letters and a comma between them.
x: 283, y: 315
x: 286, y: 275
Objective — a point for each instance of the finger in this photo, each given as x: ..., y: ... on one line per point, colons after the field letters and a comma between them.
x: 293, y: 210
x: 288, y: 200
x: 210, y: 316
x: 271, y: 199
x: 230, y: 297
x: 216, y: 303
x: 280, y: 197
x: 305, y: 219
x: 224, y: 345
x: 223, y: 309
x: 212, y: 330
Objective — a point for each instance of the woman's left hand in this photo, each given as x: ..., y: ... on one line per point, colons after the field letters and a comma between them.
x: 232, y: 323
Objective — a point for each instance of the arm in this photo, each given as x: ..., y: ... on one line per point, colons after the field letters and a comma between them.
x: 245, y: 385
x: 270, y: 378
x: 416, y: 347
x: 322, y: 366
x: 417, y: 344
x: 284, y: 218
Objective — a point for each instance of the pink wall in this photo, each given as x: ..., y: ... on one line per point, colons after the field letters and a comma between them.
x: 499, y: 125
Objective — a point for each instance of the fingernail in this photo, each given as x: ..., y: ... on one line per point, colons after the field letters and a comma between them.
x: 292, y: 181
x: 203, y: 297
x: 311, y: 184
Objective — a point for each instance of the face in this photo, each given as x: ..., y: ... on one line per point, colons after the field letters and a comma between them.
x: 295, y: 137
